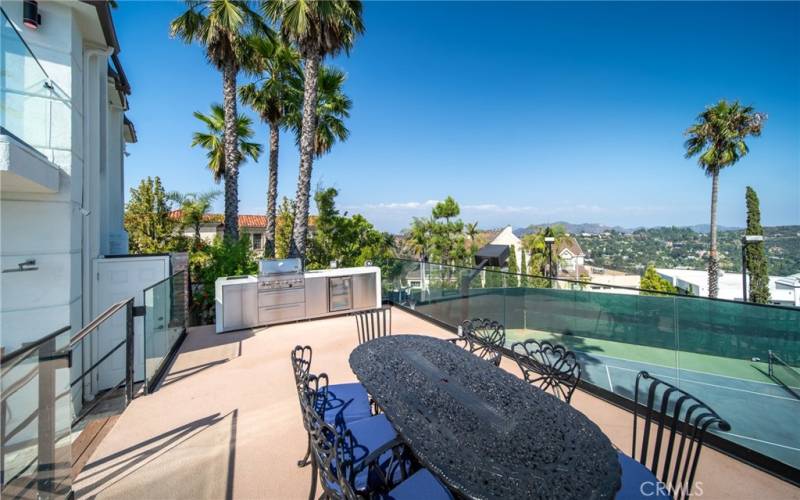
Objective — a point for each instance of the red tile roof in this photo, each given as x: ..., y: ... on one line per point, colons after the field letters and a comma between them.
x: 244, y: 220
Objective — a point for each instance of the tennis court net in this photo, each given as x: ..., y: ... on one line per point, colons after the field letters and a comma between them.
x: 781, y: 372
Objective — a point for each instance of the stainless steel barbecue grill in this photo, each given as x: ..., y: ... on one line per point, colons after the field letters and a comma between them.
x: 281, y: 290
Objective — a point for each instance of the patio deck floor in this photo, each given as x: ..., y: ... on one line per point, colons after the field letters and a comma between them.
x: 225, y: 422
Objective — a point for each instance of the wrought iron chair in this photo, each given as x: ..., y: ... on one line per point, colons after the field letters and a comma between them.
x: 373, y: 324
x: 484, y: 338
x: 352, y: 465
x: 679, y: 421
x: 550, y: 367
x: 344, y: 403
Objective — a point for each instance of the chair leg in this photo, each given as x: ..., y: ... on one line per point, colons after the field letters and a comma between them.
x: 313, y: 493
x: 305, y: 461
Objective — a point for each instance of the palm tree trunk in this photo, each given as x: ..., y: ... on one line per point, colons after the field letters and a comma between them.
x: 272, y: 190
x: 713, y: 262
x: 231, y: 153
x: 307, y: 136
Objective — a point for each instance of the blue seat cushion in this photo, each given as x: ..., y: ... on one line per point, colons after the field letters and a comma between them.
x: 638, y: 482
x: 344, y: 404
x: 368, y: 435
x: 421, y: 484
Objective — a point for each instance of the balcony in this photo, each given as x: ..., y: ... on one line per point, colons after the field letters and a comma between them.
x: 218, y: 414
x: 30, y: 105
x: 225, y: 421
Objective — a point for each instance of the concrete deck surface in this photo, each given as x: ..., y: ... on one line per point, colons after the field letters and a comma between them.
x: 225, y: 422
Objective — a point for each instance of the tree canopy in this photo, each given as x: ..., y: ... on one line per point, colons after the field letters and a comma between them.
x: 147, y: 219
x: 756, y: 258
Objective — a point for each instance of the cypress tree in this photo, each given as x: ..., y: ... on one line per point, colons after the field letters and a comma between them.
x: 523, y: 280
x: 512, y: 278
x: 756, y: 257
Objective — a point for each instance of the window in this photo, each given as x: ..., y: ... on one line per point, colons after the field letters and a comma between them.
x: 256, y: 241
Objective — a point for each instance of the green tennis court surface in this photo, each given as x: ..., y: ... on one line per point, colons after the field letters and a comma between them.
x: 763, y: 414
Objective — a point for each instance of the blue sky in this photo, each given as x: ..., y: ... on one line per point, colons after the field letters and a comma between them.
x: 523, y: 112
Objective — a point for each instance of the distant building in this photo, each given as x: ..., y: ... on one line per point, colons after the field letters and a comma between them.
x: 508, y: 238
x: 783, y: 291
x: 571, y: 259
x: 255, y: 226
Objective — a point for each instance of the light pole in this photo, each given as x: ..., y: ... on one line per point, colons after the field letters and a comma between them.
x: 549, y: 240
x: 747, y: 239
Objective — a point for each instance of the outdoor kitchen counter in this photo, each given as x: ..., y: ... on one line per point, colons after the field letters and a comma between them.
x: 345, y: 271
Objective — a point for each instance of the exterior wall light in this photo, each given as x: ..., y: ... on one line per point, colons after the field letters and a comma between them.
x: 30, y: 14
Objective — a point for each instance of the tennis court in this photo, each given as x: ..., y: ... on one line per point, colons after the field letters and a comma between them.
x: 762, y: 412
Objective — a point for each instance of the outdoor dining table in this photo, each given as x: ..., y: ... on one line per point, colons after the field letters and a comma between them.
x: 483, y: 431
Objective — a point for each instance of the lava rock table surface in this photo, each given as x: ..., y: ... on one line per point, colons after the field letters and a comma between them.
x: 485, y: 432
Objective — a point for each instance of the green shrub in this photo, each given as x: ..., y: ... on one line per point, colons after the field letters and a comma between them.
x: 223, y: 257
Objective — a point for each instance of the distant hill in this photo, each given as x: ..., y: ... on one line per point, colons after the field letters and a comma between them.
x: 704, y: 228
x: 686, y: 247
x: 596, y: 228
x: 586, y: 227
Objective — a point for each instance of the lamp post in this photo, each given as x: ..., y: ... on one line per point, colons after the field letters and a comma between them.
x: 747, y: 239
x: 549, y: 240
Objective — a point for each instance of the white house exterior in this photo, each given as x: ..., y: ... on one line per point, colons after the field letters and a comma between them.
x: 782, y: 290
x: 63, y: 97
x: 508, y: 238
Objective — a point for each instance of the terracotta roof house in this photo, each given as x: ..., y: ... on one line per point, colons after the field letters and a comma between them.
x: 255, y: 226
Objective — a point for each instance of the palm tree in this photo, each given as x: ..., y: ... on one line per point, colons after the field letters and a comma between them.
x: 194, y: 208
x: 536, y: 247
x: 225, y: 29
x: 280, y: 86
x: 213, y: 139
x: 471, y: 230
x: 333, y: 107
x: 418, y: 237
x: 718, y: 137
x: 318, y: 28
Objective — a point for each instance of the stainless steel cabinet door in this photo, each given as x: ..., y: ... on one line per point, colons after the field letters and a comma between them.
x: 316, y: 296
x: 364, y: 291
x: 340, y: 293
x: 232, y: 307
x: 250, y: 305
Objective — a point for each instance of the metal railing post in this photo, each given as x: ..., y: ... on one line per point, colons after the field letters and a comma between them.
x: 129, y: 352
x: 46, y: 430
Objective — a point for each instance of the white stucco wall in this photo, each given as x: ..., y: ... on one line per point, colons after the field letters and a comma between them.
x: 64, y: 231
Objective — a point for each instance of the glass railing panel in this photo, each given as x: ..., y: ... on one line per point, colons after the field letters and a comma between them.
x: 164, y: 322
x: 29, y: 100
x: 717, y: 350
x: 36, y: 416
x: 724, y: 360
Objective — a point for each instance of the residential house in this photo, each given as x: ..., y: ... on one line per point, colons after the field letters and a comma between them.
x: 783, y: 290
x: 570, y: 259
x: 254, y: 226
x: 63, y: 133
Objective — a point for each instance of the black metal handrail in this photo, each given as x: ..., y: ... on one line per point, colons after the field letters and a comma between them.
x: 127, y: 380
x: 173, y: 275
x: 28, y: 348
x: 103, y: 316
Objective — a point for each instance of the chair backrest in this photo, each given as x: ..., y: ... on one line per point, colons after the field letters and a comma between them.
x: 301, y: 364
x: 373, y: 324
x: 325, y: 441
x: 676, y: 415
x: 485, y: 338
x: 550, y: 367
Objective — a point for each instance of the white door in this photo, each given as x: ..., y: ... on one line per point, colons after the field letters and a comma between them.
x: 115, y: 280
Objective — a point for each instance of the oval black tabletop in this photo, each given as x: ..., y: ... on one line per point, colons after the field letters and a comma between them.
x: 485, y: 432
